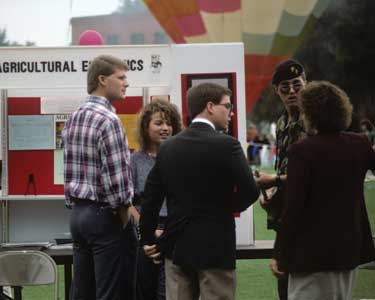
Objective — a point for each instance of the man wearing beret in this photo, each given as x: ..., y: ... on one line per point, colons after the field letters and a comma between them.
x: 288, y: 80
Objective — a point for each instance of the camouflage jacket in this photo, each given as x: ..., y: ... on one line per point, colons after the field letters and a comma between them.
x: 286, y: 135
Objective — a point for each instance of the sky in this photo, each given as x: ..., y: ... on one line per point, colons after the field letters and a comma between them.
x: 46, y: 22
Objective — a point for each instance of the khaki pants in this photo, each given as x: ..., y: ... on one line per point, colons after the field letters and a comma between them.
x: 322, y: 285
x: 210, y: 284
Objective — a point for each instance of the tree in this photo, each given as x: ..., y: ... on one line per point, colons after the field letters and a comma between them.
x: 4, y: 42
x: 3, y: 38
x: 340, y: 49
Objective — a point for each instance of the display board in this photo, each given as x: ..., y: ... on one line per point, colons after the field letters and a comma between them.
x: 31, y: 171
x: 43, y: 85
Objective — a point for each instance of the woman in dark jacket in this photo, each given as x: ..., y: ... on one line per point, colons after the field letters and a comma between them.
x: 325, y: 231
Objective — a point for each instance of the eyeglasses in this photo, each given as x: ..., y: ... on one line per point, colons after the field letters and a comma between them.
x: 286, y: 88
x: 228, y: 106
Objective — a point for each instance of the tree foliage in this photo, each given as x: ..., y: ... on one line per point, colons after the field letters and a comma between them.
x: 340, y: 49
x: 4, y: 42
x: 3, y: 38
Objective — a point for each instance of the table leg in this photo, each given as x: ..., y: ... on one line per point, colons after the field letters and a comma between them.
x: 17, y: 292
x: 67, y: 279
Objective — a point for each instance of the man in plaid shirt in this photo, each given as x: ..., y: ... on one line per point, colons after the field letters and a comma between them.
x: 98, y: 187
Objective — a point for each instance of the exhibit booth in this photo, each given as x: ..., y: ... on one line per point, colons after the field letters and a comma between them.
x: 40, y: 87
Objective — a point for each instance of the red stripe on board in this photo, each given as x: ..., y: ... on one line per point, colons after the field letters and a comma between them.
x: 183, y: 99
x: 190, y: 25
x: 215, y: 6
x: 23, y: 106
x: 131, y: 105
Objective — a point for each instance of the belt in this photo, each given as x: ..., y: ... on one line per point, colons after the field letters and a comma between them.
x: 82, y: 201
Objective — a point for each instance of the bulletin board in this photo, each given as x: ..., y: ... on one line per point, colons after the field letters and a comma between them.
x: 30, y: 172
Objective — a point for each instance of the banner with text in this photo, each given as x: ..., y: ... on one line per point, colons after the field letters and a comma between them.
x: 67, y: 66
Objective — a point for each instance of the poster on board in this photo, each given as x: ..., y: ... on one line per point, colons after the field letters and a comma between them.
x: 31, y: 132
x: 60, y: 121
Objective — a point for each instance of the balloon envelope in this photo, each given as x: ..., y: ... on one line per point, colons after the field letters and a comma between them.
x: 270, y: 30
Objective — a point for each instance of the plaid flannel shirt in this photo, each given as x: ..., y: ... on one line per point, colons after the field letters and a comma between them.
x: 96, y: 155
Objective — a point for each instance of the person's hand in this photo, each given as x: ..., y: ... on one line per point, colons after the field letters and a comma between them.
x: 263, y: 202
x: 152, y: 252
x: 275, y: 269
x: 135, y: 214
x: 265, y: 180
x: 158, y: 232
x: 124, y: 213
x: 266, y: 198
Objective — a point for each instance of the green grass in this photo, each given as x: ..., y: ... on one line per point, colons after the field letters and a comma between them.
x: 254, y: 277
x: 255, y: 280
x: 44, y: 292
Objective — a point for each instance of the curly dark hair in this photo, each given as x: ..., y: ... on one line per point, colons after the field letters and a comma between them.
x: 326, y: 107
x: 169, y: 112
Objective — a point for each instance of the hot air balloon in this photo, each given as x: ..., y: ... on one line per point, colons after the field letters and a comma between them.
x: 270, y: 30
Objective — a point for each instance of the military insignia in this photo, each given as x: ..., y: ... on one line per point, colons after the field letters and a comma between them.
x: 294, y: 70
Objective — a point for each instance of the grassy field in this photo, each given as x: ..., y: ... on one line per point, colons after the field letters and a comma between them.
x: 254, y: 278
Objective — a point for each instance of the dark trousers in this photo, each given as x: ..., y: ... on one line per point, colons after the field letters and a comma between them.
x: 150, y: 278
x: 282, y: 287
x: 100, y: 253
x: 282, y: 282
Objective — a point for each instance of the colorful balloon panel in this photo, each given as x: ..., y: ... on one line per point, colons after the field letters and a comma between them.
x: 214, y: 6
x: 270, y: 30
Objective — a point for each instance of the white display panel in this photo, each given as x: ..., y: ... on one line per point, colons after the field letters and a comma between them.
x: 57, y: 74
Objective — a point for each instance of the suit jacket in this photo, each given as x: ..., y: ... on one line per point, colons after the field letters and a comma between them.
x: 325, y: 226
x: 198, y: 170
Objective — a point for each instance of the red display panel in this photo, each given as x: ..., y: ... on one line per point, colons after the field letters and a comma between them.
x: 40, y: 163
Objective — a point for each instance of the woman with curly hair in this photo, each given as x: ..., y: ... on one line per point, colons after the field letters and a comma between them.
x: 157, y: 121
x: 325, y: 232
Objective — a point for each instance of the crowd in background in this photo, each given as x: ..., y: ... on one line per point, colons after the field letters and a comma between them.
x: 261, y: 147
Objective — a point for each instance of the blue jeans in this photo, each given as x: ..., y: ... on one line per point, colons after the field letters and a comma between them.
x: 100, y: 253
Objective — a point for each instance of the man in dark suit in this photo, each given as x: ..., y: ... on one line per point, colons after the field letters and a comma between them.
x: 198, y: 171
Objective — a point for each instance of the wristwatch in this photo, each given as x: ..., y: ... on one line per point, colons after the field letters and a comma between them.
x: 278, y: 180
